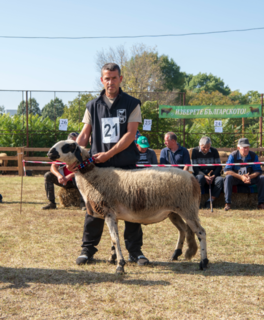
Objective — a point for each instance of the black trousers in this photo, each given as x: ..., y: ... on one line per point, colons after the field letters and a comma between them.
x: 51, y: 179
x: 93, y: 229
x: 217, y: 185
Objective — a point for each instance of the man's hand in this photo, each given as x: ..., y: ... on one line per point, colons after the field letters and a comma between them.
x: 246, y: 178
x: 101, y: 157
x: 62, y: 180
x: 209, y: 180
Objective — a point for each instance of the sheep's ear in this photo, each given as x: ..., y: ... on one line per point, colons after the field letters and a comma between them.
x: 78, y: 154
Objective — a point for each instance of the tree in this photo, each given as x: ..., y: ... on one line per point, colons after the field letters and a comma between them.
x: 172, y: 77
x: 76, y: 108
x: 253, y: 97
x: 145, y: 71
x: 238, y: 96
x: 54, y: 109
x: 2, y: 110
x: 207, y: 83
x: 215, y: 98
x: 33, y: 107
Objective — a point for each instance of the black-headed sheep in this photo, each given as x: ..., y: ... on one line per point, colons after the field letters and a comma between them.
x: 144, y: 196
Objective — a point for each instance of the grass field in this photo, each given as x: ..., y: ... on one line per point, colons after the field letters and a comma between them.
x: 40, y: 280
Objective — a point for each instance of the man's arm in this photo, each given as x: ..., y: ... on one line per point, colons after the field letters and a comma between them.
x: 186, y: 159
x: 121, y: 145
x: 55, y: 170
x: 84, y: 136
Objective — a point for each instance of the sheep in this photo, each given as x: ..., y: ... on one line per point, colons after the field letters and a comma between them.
x: 144, y: 196
x: 254, y: 110
x: 166, y: 110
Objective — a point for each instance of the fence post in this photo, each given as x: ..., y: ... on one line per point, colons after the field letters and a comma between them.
x: 20, y: 157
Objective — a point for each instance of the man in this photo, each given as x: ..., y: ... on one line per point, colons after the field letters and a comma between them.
x: 174, y: 153
x: 113, y: 120
x: 206, y: 176
x: 60, y: 176
x: 243, y: 174
x: 147, y: 155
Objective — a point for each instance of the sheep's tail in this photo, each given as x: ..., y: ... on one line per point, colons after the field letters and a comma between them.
x: 191, y: 242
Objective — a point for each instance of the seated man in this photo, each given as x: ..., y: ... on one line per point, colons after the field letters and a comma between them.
x: 205, y: 154
x: 61, y: 176
x: 244, y: 174
x: 147, y: 155
x: 174, y: 153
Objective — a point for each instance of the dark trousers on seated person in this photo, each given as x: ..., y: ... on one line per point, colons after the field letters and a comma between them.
x: 217, y: 184
x: 50, y: 180
x: 231, y: 181
x: 93, y: 229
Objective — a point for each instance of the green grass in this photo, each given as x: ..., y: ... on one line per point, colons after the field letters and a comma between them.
x: 40, y: 280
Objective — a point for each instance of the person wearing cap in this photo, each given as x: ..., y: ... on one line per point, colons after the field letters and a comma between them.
x: 147, y: 155
x: 243, y: 174
x: 174, y: 153
x: 61, y: 176
x: 209, y: 175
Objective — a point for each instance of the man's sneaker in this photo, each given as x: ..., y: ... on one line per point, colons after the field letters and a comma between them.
x: 84, y: 258
x: 139, y: 258
x: 227, y: 206
x: 261, y: 206
x: 49, y: 206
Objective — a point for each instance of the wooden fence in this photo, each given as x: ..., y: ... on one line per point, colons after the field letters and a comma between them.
x: 20, y: 156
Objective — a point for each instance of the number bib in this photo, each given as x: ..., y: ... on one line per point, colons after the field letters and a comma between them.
x: 242, y: 171
x: 110, y: 130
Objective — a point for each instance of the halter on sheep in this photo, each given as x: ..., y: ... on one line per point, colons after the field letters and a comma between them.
x: 143, y: 196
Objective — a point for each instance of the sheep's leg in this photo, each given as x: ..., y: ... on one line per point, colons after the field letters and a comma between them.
x: 112, y: 258
x: 201, y: 234
x: 112, y: 225
x: 181, y: 226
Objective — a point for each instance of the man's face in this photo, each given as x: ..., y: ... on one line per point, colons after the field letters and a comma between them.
x: 169, y: 143
x: 143, y: 150
x: 205, y: 148
x: 111, y: 82
x: 243, y: 151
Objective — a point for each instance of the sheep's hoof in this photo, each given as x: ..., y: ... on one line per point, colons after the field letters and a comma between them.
x: 203, y: 264
x: 120, y: 270
x: 176, y: 254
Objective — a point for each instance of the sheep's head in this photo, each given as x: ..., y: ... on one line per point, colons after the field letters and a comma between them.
x: 67, y: 151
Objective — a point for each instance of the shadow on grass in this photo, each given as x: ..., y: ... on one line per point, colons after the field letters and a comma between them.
x: 214, y: 269
x: 22, y: 277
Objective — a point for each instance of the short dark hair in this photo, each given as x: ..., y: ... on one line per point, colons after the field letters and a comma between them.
x: 111, y: 67
x: 172, y: 135
x: 73, y: 135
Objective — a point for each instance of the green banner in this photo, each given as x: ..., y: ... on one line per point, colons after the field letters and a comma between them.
x: 188, y: 112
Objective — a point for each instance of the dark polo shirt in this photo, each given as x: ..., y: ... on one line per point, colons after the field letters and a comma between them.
x: 181, y: 156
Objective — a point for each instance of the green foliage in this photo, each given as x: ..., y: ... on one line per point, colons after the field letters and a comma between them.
x: 33, y: 107
x: 211, y: 98
x: 202, y: 127
x: 42, y: 132
x: 207, y: 83
x: 172, y: 77
x: 54, y: 109
x: 253, y: 97
x: 150, y: 110
x: 76, y: 108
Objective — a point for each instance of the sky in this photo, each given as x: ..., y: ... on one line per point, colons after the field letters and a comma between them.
x: 70, y: 65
